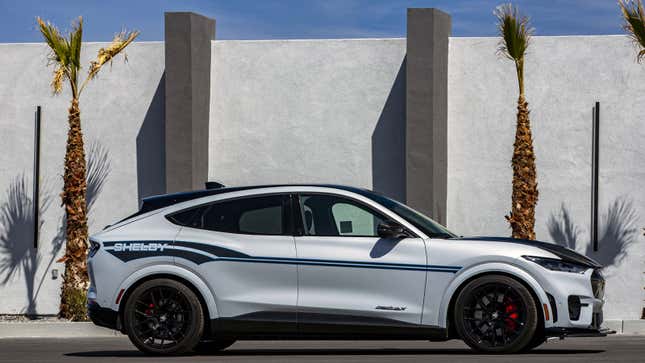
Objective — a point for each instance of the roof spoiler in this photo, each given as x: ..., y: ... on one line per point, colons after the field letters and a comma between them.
x: 214, y: 185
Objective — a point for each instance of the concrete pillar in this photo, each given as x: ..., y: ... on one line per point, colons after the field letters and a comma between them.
x: 187, y: 96
x: 426, y: 111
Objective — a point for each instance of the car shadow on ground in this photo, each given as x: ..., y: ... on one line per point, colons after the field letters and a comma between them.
x: 323, y: 352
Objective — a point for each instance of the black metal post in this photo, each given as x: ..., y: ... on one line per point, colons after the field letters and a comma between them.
x: 36, y: 188
x: 594, y: 176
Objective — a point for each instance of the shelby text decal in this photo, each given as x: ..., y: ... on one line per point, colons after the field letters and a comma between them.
x: 139, y: 246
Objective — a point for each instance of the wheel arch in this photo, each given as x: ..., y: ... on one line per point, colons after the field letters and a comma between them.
x: 191, y: 280
x: 537, y: 292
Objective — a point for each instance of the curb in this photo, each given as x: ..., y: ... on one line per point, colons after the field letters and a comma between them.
x: 89, y: 330
x: 54, y: 330
x: 626, y: 327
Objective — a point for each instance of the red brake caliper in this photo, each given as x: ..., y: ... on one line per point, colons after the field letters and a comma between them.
x: 511, y: 311
x: 149, y: 311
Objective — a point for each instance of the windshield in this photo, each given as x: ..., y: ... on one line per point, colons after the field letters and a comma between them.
x: 417, y: 219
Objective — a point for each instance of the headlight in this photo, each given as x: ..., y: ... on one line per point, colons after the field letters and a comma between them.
x: 557, y: 265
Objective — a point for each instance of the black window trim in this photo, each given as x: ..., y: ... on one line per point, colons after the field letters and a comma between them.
x: 299, y: 223
x: 287, y: 213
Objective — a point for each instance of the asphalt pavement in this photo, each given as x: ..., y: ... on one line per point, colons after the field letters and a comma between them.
x: 118, y: 349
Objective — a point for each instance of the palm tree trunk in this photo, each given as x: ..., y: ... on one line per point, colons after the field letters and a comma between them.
x: 75, y: 279
x: 525, y: 192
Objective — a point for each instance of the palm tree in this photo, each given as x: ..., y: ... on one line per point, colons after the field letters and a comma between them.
x: 66, y: 56
x: 515, y: 33
x: 634, y: 25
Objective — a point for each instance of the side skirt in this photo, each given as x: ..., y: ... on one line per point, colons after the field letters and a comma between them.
x: 308, y: 326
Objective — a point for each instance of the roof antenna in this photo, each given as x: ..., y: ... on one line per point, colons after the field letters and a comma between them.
x: 214, y: 185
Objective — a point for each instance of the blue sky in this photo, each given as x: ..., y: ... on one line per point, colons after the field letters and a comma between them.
x: 281, y: 19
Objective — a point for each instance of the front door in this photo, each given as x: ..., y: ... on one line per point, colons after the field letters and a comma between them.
x: 350, y: 279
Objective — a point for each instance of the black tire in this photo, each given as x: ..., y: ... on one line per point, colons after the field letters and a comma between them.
x: 496, y: 314
x: 163, y: 311
x: 213, y: 346
x: 538, y: 340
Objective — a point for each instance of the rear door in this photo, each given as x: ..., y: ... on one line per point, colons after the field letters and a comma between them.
x: 237, y: 247
x: 350, y: 278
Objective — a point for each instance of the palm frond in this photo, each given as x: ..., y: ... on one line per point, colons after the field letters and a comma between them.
x: 65, y: 53
x: 515, y: 32
x: 75, y: 42
x: 634, y: 26
x: 59, y: 77
x: 107, y: 54
x: 57, y: 43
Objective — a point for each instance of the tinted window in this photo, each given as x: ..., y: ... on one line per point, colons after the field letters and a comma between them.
x: 417, y: 219
x: 329, y: 215
x: 256, y: 215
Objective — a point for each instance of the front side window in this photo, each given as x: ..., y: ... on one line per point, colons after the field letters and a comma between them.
x: 330, y: 215
x: 417, y: 219
x: 265, y: 215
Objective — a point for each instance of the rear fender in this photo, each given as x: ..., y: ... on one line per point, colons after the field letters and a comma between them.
x: 166, y: 269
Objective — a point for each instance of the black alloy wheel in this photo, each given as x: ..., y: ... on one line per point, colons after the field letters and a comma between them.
x: 496, y: 314
x: 163, y: 316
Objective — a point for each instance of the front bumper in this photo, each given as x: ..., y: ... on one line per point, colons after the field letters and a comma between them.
x: 575, y: 302
x: 104, y: 317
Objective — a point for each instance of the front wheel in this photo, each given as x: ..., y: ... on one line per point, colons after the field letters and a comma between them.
x: 496, y: 314
x: 163, y: 317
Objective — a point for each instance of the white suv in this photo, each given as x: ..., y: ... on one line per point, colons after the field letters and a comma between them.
x: 203, y: 269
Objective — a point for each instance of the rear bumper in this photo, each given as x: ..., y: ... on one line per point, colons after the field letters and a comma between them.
x: 104, y: 317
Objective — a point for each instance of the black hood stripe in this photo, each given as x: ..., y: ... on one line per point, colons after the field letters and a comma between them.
x: 566, y: 254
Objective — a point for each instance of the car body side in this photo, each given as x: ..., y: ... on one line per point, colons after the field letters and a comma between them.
x: 223, y: 297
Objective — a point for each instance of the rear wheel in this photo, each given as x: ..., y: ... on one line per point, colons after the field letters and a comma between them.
x: 496, y: 314
x: 164, y: 317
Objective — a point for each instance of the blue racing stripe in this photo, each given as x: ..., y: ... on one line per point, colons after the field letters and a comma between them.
x: 201, y: 253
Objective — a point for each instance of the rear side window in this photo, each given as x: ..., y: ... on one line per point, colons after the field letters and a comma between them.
x: 264, y: 215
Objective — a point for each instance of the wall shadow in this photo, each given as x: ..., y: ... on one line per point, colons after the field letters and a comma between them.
x: 18, y: 257
x: 151, y: 149
x: 388, y: 142
x: 617, y: 232
x: 562, y: 229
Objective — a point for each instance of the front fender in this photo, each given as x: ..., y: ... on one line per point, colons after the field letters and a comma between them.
x: 487, y: 268
x: 167, y: 269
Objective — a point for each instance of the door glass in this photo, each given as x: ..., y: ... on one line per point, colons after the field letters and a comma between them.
x: 330, y: 215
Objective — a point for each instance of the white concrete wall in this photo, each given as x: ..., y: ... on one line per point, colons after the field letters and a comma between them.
x: 333, y: 111
x: 113, y: 109
x: 565, y: 76
x: 311, y: 111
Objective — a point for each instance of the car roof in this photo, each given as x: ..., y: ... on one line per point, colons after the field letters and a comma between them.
x: 165, y: 200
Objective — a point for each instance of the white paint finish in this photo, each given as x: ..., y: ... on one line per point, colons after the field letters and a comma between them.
x: 358, y: 291
x: 242, y: 287
x: 292, y: 111
x: 153, y: 228
x: 564, y: 78
x: 113, y: 108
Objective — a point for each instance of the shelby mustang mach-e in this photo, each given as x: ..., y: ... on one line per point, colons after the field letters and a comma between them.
x: 201, y: 270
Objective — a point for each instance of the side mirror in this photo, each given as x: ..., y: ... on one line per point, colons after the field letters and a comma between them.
x: 391, y: 229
